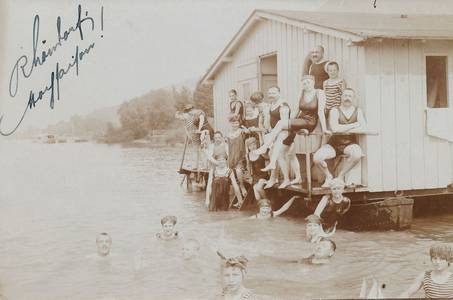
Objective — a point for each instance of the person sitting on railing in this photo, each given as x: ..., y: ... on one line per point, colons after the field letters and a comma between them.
x: 344, y: 121
x: 311, y: 108
x: 332, y: 207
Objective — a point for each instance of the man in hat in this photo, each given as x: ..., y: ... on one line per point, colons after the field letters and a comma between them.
x: 344, y: 120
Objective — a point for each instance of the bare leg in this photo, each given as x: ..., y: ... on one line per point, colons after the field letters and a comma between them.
x: 295, y: 167
x: 281, y: 125
x: 354, y: 153
x: 241, y: 180
x: 272, y: 179
x: 325, y: 152
x: 284, y: 166
x: 208, y: 190
x: 258, y: 189
x: 276, y: 151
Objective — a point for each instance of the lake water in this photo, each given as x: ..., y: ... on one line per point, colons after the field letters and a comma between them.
x: 55, y: 199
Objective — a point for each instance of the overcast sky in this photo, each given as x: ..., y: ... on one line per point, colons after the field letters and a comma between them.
x: 144, y: 45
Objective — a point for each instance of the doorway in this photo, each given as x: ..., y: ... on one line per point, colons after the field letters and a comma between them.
x: 268, y: 72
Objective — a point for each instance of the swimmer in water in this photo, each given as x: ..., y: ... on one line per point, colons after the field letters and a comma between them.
x: 266, y: 212
x: 324, y: 251
x: 103, y: 244
x: 190, y: 249
x: 233, y: 274
x: 168, y: 228
x: 314, y: 230
x: 437, y: 282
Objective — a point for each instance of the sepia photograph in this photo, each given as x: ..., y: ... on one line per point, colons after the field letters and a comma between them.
x: 226, y: 149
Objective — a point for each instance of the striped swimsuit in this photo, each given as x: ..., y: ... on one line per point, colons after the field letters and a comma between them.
x: 437, y: 290
x: 333, y: 90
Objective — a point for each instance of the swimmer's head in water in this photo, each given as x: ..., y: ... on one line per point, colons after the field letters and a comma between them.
x: 233, y: 272
x: 190, y: 249
x: 168, y: 225
x: 325, y: 249
x: 441, y: 255
x: 103, y: 243
x: 265, y: 207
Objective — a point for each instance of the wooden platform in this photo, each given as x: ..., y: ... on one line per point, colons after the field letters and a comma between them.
x: 188, y: 171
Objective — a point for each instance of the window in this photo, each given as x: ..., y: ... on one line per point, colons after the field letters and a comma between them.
x: 436, y: 81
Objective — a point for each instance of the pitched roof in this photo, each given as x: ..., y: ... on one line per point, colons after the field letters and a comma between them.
x: 366, y: 25
x: 354, y: 27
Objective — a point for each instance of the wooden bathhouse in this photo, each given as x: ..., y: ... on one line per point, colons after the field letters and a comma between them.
x: 401, y: 67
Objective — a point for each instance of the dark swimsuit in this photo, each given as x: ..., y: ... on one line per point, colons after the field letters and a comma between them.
x: 341, y: 141
x: 241, y: 110
x: 307, y: 118
x: 333, y: 212
x: 206, y: 125
x: 275, y: 114
x: 257, y: 165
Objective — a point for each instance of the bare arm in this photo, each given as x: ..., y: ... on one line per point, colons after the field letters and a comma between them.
x: 201, y: 123
x: 336, y: 127
x: 235, y: 185
x: 321, y: 106
x: 284, y: 112
x: 237, y: 108
x: 284, y: 207
x: 209, y: 151
x: 416, y: 285
x: 321, y: 205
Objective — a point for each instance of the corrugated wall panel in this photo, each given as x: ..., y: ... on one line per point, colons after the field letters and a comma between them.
x: 373, y: 115
x: 402, y: 107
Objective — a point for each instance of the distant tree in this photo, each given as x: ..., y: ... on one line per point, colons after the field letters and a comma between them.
x: 203, y: 98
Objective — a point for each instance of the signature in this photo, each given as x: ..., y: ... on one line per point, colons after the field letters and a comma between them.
x: 25, y: 67
x: 374, y: 3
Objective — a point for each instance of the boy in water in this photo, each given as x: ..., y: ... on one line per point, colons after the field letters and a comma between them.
x: 314, y: 230
x: 168, y: 228
x: 103, y: 244
x: 324, y: 250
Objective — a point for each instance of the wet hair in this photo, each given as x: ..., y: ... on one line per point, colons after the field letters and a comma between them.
x: 250, y: 141
x: 333, y: 246
x: 257, y: 97
x: 233, y: 118
x: 313, y: 219
x: 233, y: 91
x: 274, y: 87
x: 167, y: 219
x: 218, y: 132
x: 103, y: 234
x: 235, y: 262
x: 443, y: 251
x: 332, y: 63
x: 337, y: 182
x: 263, y: 202
x: 320, y: 47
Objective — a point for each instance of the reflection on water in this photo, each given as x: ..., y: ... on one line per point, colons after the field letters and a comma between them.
x: 55, y: 199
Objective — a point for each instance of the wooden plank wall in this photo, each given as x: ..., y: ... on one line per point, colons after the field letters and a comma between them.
x: 392, y: 95
x: 403, y: 156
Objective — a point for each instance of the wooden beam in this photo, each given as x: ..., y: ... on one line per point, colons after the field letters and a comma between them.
x: 227, y: 59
